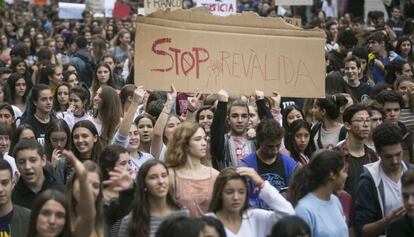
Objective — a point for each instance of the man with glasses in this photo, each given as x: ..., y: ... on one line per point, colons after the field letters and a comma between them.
x: 357, y: 121
x: 378, y: 198
x: 392, y: 103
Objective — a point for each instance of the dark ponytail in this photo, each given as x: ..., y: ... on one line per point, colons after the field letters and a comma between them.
x: 332, y: 104
x: 315, y: 174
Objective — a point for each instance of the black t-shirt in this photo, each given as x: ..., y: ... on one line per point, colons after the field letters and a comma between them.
x: 38, y: 127
x: 5, y: 222
x: 355, y: 169
x: 361, y: 92
x: 273, y: 173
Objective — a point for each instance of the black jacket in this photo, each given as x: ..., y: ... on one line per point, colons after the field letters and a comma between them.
x: 24, y: 196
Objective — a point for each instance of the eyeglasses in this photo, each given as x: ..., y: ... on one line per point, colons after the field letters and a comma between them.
x: 361, y: 122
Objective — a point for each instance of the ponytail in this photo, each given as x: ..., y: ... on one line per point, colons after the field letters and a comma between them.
x: 315, y: 174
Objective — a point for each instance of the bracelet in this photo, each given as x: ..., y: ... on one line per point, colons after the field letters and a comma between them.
x: 191, y: 111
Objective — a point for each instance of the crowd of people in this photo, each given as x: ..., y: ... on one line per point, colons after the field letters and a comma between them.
x: 86, y: 152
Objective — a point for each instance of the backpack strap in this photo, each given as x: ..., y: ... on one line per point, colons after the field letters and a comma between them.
x: 316, y: 129
x: 342, y: 133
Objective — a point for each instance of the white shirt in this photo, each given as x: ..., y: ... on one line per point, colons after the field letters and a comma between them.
x: 392, y: 193
x: 259, y: 222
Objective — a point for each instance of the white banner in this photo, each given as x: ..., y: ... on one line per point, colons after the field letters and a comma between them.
x: 219, y: 7
x: 71, y: 10
x: 294, y: 2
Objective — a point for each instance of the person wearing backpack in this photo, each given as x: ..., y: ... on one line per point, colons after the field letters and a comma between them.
x: 328, y: 131
x: 83, y: 60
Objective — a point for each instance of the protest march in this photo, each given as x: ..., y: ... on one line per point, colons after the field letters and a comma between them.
x: 206, y: 118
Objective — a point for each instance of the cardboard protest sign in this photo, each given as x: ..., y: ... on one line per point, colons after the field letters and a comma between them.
x: 71, y: 10
x: 219, y: 7
x: 240, y: 53
x: 154, y: 5
x: 293, y: 21
x: 294, y: 2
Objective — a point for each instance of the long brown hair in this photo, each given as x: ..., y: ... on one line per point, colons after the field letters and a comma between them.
x: 109, y: 112
x: 176, y: 155
x: 39, y: 202
x: 99, y: 229
x: 225, y: 176
x: 140, y: 221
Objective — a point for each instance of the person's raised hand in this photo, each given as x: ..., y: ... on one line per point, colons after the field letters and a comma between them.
x: 139, y: 94
x: 172, y: 95
x: 223, y: 96
x: 79, y: 168
x: 259, y: 95
x: 251, y: 173
x: 193, y: 102
x: 276, y: 98
x: 120, y: 179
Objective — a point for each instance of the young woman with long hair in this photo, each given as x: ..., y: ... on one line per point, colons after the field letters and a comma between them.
x: 23, y: 131
x: 103, y: 77
x: 328, y: 132
x: 19, y: 90
x: 297, y: 141
x: 5, y: 49
x: 290, y: 114
x: 137, y: 156
x: 72, y: 78
x: 86, y: 141
x: 121, y: 45
x: 230, y: 204
x: 61, y: 98
x: 78, y: 110
x: 107, y: 112
x: 155, y: 202
x: 51, y: 212
x: 192, y: 181
x: 85, y: 144
x: 93, y: 179
x: 57, y: 139
x: 404, y: 48
x: 312, y: 192
x: 5, y: 97
x: 145, y: 127
x: 165, y: 126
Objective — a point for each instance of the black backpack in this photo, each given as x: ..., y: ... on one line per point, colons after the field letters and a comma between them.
x: 89, y: 73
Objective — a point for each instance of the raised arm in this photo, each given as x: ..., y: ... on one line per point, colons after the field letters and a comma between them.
x: 122, y: 182
x: 262, y: 110
x: 87, y: 212
x: 218, y: 127
x: 157, y: 142
x: 126, y: 122
x: 269, y: 194
x: 192, y: 107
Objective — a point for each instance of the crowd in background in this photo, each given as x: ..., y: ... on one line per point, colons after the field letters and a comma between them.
x: 86, y: 152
